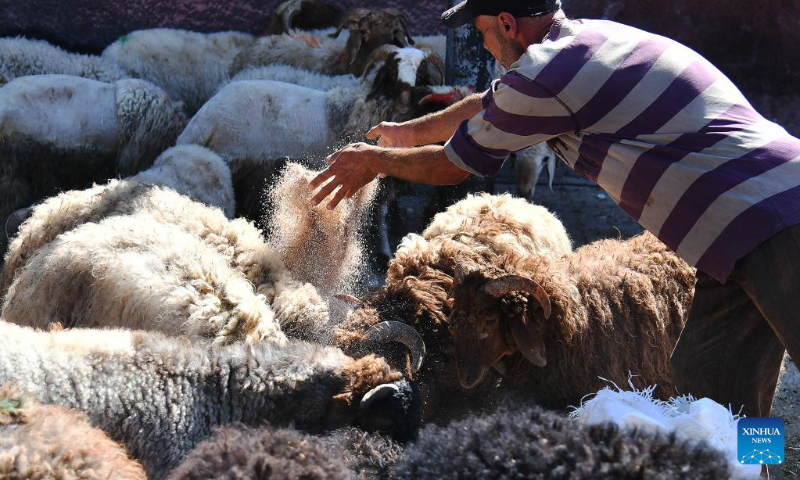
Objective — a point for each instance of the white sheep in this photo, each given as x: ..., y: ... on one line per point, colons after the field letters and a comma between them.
x: 297, y: 76
x: 368, y: 30
x: 189, y: 66
x: 60, y: 132
x: 20, y: 57
x: 150, y: 201
x: 160, y: 396
x: 133, y: 271
x: 253, y: 120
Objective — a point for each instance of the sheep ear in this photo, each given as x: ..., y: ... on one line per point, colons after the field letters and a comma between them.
x: 355, y: 41
x: 529, y: 341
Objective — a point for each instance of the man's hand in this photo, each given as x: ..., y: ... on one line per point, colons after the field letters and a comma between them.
x: 390, y: 134
x: 350, y: 169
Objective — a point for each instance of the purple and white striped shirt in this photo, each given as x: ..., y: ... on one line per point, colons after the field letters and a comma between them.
x: 671, y: 140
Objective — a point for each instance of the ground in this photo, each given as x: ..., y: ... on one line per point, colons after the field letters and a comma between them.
x: 588, y: 214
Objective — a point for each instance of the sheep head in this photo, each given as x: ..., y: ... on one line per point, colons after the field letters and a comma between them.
x: 491, y: 318
x: 376, y: 398
x: 412, y: 78
x: 369, y: 30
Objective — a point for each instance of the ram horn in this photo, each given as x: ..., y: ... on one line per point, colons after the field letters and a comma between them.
x: 381, y: 53
x: 378, y: 393
x: 352, y: 18
x: 436, y: 67
x: 393, y: 331
x: 289, y: 11
x: 514, y: 283
x: 15, y: 220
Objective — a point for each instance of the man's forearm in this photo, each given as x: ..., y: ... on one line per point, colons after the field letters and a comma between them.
x: 440, y: 126
x: 427, y: 164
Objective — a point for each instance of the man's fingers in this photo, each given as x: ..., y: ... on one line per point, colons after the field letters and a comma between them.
x: 374, y: 132
x: 337, y: 198
x: 326, y: 190
x: 320, y: 179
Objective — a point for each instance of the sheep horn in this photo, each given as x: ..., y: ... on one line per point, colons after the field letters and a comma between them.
x: 381, y: 53
x: 291, y: 9
x: 435, y: 62
x: 384, y: 332
x: 460, y: 275
x: 514, y: 283
x: 377, y: 393
x: 349, y: 20
x: 15, y: 220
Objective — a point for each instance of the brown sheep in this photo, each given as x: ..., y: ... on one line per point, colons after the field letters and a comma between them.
x: 48, y: 441
x: 615, y: 307
x: 477, y: 230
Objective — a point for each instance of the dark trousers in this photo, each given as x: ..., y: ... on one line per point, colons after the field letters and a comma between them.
x: 733, y: 344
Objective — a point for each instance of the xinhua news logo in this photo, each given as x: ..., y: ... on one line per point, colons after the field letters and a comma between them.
x: 760, y: 441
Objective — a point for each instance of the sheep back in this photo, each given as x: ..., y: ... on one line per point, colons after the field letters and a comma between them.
x: 188, y: 65
x: 20, y: 57
x: 39, y: 441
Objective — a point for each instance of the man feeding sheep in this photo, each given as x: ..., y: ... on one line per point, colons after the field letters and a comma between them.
x: 667, y: 136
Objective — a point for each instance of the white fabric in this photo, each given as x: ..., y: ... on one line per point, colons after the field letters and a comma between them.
x: 690, y: 419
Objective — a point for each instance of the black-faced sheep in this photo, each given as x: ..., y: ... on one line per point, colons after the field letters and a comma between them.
x: 48, y: 441
x: 302, y: 15
x: 478, y: 229
x: 189, y: 66
x: 528, y: 442
x: 369, y: 29
x: 160, y: 396
x: 20, y: 57
x: 609, y: 309
x: 60, y: 132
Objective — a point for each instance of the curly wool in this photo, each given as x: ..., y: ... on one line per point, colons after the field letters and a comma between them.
x: 189, y: 66
x: 135, y: 272
x: 478, y: 230
x: 239, y: 453
x: 21, y: 57
x: 38, y: 442
x: 618, y: 308
x: 196, y: 172
x: 528, y: 442
x: 160, y: 396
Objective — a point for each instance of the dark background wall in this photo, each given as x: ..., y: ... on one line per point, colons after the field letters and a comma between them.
x: 755, y: 42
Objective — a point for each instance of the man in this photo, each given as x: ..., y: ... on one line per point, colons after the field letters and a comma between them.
x: 667, y: 136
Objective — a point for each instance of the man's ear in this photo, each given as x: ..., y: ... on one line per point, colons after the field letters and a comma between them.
x: 507, y: 24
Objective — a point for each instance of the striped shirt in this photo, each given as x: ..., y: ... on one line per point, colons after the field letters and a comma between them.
x: 671, y: 140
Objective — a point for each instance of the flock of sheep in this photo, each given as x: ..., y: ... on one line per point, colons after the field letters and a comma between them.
x: 164, y: 317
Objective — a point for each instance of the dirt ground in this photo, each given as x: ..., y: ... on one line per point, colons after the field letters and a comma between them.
x: 588, y: 215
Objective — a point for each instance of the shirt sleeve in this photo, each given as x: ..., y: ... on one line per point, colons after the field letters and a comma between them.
x: 518, y: 113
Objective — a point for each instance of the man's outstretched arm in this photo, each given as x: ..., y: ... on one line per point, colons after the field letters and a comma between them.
x: 358, y: 164
x: 433, y: 128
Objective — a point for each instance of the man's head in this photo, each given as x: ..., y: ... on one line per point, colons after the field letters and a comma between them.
x: 508, y: 26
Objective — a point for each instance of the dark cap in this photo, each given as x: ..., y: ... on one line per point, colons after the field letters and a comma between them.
x: 464, y: 12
